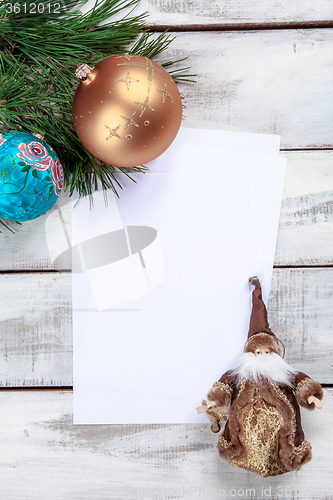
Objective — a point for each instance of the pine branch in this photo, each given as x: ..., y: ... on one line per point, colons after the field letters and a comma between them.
x: 39, y: 52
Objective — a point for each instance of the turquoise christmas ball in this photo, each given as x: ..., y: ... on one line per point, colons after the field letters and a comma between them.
x: 31, y: 177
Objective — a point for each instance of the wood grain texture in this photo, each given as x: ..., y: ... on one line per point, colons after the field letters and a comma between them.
x: 45, y: 457
x: 201, y: 14
x: 236, y: 12
x: 262, y: 81
x: 305, y: 232
x: 36, y: 325
x: 29, y: 248
x: 36, y: 329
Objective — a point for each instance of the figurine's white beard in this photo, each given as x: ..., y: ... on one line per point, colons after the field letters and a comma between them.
x: 270, y: 366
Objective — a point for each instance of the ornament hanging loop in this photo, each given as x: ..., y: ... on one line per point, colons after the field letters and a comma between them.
x: 82, y: 71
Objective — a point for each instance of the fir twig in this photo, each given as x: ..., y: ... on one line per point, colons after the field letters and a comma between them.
x: 39, y: 53
x: 7, y: 227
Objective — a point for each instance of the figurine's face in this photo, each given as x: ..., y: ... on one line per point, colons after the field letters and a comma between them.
x: 262, y: 351
x: 262, y: 343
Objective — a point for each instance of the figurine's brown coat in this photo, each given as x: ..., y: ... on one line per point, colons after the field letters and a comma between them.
x: 285, y: 400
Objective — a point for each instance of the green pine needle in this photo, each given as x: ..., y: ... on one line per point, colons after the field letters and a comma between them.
x: 39, y: 52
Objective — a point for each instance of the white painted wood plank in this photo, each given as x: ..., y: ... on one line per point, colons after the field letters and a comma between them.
x: 28, y: 248
x: 306, y: 222
x: 305, y: 232
x: 36, y: 325
x: 262, y: 81
x: 300, y: 314
x: 45, y: 457
x: 235, y: 12
x: 36, y: 329
x: 230, y: 13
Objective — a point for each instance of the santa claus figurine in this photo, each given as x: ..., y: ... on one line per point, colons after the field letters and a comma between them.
x: 263, y: 433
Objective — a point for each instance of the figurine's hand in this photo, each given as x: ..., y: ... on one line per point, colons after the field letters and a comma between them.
x: 211, y: 416
x: 312, y: 399
x: 211, y: 405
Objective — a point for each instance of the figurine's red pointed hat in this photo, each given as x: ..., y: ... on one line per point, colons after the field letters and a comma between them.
x: 258, y: 321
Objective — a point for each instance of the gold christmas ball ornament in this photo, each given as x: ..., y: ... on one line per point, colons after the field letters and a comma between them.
x: 127, y: 110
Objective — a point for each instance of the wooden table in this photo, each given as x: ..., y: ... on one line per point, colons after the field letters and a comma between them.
x: 263, y: 66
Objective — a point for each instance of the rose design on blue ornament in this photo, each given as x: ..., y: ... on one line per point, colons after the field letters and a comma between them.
x: 36, y: 154
x: 57, y: 177
x: 31, y: 176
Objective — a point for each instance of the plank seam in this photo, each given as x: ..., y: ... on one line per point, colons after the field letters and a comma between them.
x: 45, y: 388
x: 52, y: 271
x: 309, y: 25
x: 302, y: 266
x: 53, y: 388
x: 328, y: 148
x: 34, y: 271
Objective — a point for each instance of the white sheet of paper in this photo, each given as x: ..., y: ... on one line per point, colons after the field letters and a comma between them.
x: 133, y: 361
x: 208, y: 140
x: 266, y: 174
x: 226, y: 141
x: 145, y: 384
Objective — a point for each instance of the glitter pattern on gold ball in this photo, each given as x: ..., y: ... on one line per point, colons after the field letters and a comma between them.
x: 128, y: 111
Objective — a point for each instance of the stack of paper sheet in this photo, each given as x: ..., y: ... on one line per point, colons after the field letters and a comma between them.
x: 161, y: 302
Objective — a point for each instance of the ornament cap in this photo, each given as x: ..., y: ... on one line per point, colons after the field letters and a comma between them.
x: 82, y: 71
x: 39, y: 136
